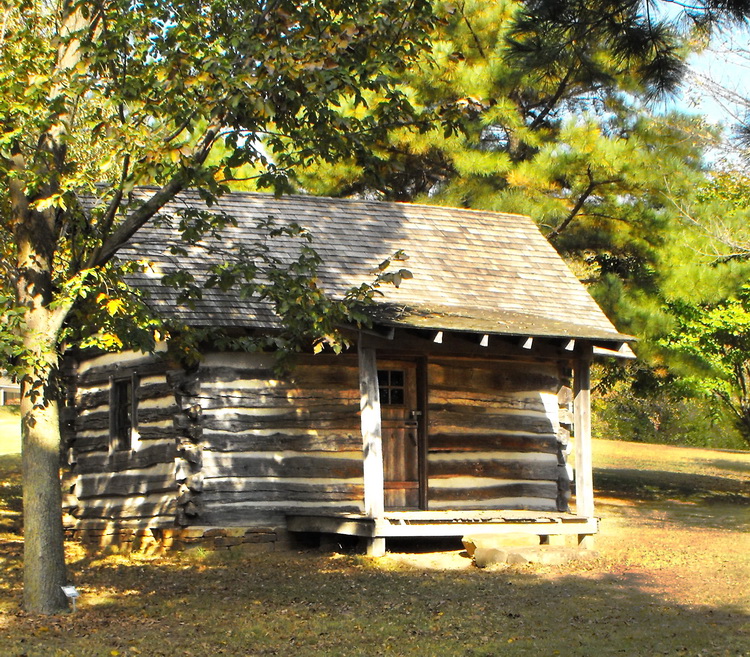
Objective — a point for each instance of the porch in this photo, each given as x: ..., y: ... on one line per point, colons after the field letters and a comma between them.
x: 383, y: 516
x: 433, y: 524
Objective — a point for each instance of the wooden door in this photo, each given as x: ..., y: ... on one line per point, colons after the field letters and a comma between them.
x: 397, y: 382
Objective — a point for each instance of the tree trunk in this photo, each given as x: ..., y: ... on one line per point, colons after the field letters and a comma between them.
x: 44, y: 555
x: 44, y: 550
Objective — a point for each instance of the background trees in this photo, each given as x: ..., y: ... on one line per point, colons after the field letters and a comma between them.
x: 556, y: 102
x: 553, y: 124
x: 715, y: 338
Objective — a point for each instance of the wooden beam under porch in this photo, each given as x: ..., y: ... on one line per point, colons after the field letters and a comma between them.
x: 433, y: 524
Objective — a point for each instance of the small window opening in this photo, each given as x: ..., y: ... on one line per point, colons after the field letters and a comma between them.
x: 123, y: 413
x: 392, y: 385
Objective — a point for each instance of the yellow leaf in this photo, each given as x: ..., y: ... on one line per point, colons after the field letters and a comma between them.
x: 113, y: 306
x: 110, y: 340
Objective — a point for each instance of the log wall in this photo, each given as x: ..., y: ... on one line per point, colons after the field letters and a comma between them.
x: 495, y: 439
x: 234, y: 444
x: 115, y: 491
x: 271, y: 445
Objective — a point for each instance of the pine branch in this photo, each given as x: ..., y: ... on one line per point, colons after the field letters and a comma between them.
x: 472, y: 32
x: 576, y: 208
x: 552, y: 102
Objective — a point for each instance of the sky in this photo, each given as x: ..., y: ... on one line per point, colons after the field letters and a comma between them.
x: 719, y: 79
x: 717, y: 86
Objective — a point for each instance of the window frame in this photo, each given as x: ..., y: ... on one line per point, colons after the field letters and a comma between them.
x: 123, y: 405
x: 389, y: 387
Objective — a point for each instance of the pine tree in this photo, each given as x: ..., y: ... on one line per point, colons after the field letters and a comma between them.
x: 554, y: 124
x: 554, y: 99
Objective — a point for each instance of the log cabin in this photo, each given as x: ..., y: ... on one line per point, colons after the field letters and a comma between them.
x: 453, y: 412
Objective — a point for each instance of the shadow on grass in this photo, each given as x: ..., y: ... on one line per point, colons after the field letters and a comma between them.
x: 11, y: 494
x: 306, y: 604
x: 732, y: 465
x: 654, y: 485
x: 319, y: 605
x: 689, y: 501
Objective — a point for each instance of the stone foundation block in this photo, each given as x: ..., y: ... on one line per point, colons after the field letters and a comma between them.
x: 473, y: 542
x: 543, y: 554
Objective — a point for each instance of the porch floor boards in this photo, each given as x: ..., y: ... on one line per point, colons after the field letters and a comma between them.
x: 424, y: 524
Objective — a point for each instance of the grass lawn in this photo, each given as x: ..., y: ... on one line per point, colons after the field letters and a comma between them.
x: 671, y: 577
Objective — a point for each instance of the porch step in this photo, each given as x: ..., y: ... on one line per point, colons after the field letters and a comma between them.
x: 430, y: 524
x: 473, y: 542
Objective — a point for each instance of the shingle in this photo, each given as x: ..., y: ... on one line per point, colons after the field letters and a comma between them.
x: 482, y: 271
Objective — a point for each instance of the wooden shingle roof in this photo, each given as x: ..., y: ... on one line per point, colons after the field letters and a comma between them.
x: 472, y: 270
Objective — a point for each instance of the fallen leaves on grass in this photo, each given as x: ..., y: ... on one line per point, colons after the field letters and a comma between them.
x: 668, y: 581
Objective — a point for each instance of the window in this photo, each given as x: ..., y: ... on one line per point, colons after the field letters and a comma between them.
x: 9, y: 397
x: 392, y: 384
x: 123, y: 419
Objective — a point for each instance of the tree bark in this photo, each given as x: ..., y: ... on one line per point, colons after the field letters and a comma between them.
x: 44, y: 554
x: 44, y: 551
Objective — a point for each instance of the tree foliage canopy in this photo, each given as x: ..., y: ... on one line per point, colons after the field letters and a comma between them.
x: 99, y: 98
x: 715, y: 340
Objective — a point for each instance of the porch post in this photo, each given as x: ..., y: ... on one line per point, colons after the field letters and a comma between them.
x: 372, y: 442
x: 582, y: 426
